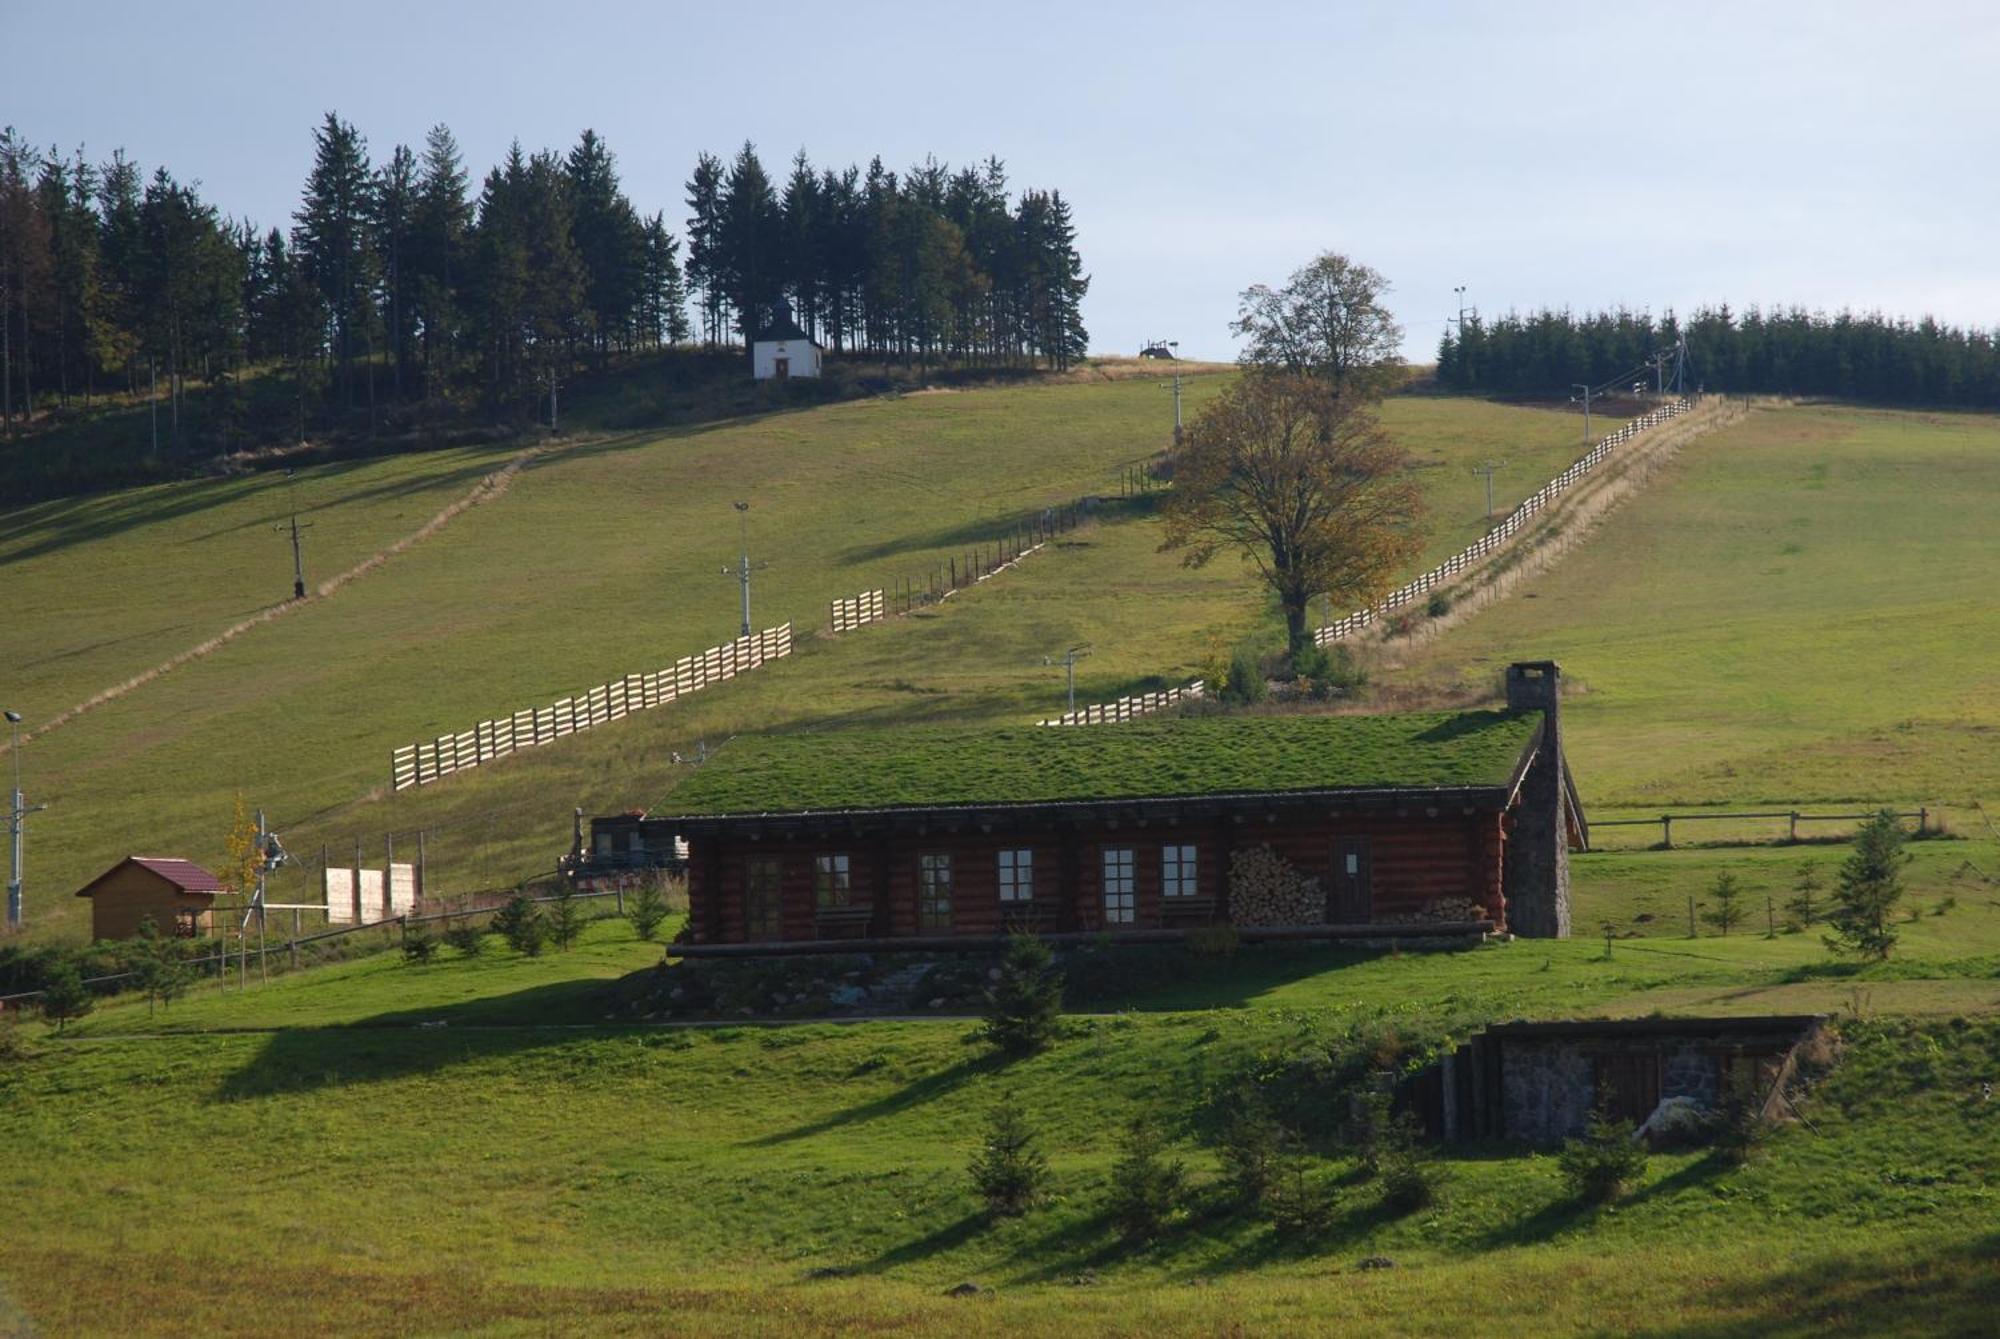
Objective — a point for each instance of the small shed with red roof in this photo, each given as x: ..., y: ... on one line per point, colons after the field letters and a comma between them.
x: 178, y: 895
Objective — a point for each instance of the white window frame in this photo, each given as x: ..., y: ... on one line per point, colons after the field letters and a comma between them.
x: 1121, y: 885
x: 833, y: 881
x: 934, y: 890
x: 1017, y: 875
x: 1179, y: 870
x: 754, y: 926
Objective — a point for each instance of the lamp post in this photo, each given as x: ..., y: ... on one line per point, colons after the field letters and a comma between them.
x: 1068, y: 661
x: 298, y: 554
x: 742, y: 573
x: 17, y: 813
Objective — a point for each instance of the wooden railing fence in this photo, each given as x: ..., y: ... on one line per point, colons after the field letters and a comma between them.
x: 1792, y: 818
x: 432, y: 760
x: 1500, y: 534
x: 867, y: 607
x: 1128, y: 708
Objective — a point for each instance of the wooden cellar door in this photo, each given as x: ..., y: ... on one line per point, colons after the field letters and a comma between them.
x: 1628, y: 1086
x: 1352, y: 898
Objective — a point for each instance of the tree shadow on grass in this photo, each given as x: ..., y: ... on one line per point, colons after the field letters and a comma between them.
x: 947, y: 1238
x: 927, y: 1089
x: 1566, y: 1212
x: 402, y: 1043
x: 1952, y: 1292
x: 1261, y: 1244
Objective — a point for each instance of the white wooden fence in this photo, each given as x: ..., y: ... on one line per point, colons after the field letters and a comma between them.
x: 1128, y: 708
x: 433, y: 760
x: 849, y: 614
x: 1500, y: 534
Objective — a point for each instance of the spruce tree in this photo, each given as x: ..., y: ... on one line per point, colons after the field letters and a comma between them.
x: 705, y: 266
x: 333, y: 238
x: 1726, y: 911
x: 1867, y: 890
x: 64, y: 996
x: 1008, y: 1170
x: 1024, y: 1006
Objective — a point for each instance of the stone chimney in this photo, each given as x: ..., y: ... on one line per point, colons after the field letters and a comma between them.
x: 1537, y: 869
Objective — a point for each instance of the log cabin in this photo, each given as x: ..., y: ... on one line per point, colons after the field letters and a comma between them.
x: 949, y: 838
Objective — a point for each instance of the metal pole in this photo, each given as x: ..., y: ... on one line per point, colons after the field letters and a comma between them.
x: 743, y: 567
x: 16, y: 812
x: 263, y: 857
x: 298, y: 558
x: 1577, y: 386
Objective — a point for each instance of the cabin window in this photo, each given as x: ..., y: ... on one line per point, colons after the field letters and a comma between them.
x: 1121, y: 903
x: 603, y: 842
x: 638, y: 844
x: 831, y: 885
x: 763, y: 898
x: 1017, y: 876
x: 1177, y: 871
x: 934, y: 892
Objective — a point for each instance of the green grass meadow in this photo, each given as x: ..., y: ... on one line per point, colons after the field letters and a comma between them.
x: 1800, y: 608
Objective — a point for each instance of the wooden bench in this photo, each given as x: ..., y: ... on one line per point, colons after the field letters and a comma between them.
x: 843, y: 921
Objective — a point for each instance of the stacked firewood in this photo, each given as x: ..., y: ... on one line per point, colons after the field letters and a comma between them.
x: 1452, y: 910
x: 1266, y: 890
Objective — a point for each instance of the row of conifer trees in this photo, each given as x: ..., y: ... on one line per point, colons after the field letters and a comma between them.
x: 397, y: 285
x: 1788, y: 351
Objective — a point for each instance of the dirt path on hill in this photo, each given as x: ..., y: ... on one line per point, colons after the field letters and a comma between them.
x: 489, y: 487
x: 1569, y: 522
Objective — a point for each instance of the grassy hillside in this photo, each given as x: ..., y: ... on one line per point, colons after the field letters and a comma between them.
x: 497, y: 1178
x: 604, y: 556
x: 1800, y: 608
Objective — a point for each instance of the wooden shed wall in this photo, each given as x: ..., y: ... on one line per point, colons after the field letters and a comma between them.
x: 129, y: 895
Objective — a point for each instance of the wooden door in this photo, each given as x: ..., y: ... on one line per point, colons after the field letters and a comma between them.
x: 782, y: 368
x: 1628, y: 1086
x: 1351, y: 898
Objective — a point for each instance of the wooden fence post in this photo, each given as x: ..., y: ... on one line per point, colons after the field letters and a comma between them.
x: 1667, y: 839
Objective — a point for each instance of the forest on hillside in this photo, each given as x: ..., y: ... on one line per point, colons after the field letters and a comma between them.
x: 1782, y: 352
x: 398, y: 293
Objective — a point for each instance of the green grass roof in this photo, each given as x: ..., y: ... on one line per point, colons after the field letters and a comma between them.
x: 928, y: 767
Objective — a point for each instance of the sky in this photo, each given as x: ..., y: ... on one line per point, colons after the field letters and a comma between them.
x: 1558, y: 155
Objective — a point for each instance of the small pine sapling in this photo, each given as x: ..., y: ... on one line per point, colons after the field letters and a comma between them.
x: 1803, y: 908
x: 648, y: 910
x: 64, y: 996
x: 1867, y: 889
x: 1024, y: 1006
x: 1726, y: 911
x: 420, y: 946
x: 520, y: 923
x: 161, y: 974
x: 1147, y: 1188
x: 1008, y: 1171
x: 565, y: 920
x: 467, y: 938
x: 1605, y: 1162
x: 1252, y: 1153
